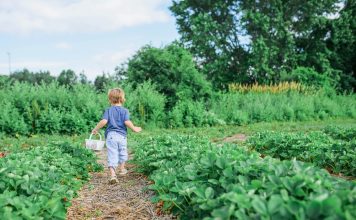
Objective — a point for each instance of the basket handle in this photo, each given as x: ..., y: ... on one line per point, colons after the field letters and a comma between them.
x: 92, y: 135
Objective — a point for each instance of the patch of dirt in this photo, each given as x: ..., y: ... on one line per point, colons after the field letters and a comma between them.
x: 128, y: 199
x: 235, y: 138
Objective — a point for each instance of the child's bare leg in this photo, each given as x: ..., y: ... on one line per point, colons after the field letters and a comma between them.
x: 122, y: 170
x: 122, y: 166
x: 112, y: 171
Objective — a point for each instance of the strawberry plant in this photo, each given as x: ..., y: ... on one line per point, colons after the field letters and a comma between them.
x: 318, y: 148
x: 198, y: 180
x: 38, y: 183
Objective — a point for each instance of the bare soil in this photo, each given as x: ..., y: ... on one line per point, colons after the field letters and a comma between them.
x: 128, y: 199
x: 235, y: 138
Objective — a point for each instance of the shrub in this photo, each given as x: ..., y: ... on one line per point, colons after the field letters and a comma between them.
x: 187, y: 114
x: 308, y: 76
x: 173, y: 69
x: 146, y: 105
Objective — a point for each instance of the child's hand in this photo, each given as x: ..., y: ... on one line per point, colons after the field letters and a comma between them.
x: 94, y: 131
x: 137, y: 129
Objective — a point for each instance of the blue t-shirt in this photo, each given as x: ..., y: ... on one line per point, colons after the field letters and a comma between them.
x: 116, y: 117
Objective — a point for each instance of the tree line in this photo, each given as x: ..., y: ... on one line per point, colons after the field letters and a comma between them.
x: 268, y: 41
x: 66, y: 77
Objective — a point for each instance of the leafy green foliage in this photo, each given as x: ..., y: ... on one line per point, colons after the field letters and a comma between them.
x: 256, y: 41
x: 337, y: 132
x: 101, y: 82
x: 198, y: 180
x: 173, y: 69
x: 236, y: 108
x: 50, y: 108
x: 38, y: 183
x: 187, y: 114
x: 67, y: 78
x: 343, y: 45
x: 54, y: 109
x: 308, y: 76
x: 318, y: 148
x: 32, y: 77
x: 146, y: 104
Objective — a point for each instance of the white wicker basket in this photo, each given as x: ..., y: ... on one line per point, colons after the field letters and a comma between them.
x: 94, y: 144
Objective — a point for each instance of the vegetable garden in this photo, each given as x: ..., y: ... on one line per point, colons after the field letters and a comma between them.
x: 200, y: 180
x: 282, y: 171
x: 278, y: 74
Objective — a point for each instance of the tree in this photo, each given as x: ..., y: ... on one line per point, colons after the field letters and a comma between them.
x: 120, y: 72
x: 32, y: 77
x: 67, y: 78
x: 83, y: 79
x: 249, y: 41
x: 172, y: 69
x: 101, y: 81
x: 4, y: 81
x: 342, y: 43
x: 211, y: 30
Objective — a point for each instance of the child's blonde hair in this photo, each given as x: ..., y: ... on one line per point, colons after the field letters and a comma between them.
x: 116, y: 96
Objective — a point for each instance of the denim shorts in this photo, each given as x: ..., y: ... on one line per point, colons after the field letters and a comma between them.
x: 117, y: 149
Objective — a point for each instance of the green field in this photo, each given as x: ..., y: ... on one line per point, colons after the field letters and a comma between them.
x: 196, y: 174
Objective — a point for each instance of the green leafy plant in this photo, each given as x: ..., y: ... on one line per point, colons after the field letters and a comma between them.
x: 39, y: 182
x: 199, y: 180
x: 318, y: 148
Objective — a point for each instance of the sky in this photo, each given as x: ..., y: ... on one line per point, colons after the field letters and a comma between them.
x: 89, y: 36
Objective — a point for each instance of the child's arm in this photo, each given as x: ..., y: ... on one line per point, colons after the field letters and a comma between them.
x: 101, y: 124
x: 132, y: 126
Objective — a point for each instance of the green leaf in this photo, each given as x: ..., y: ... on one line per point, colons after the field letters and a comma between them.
x: 259, y: 205
x: 284, y: 194
x: 228, y: 172
x: 224, y: 212
x: 209, y: 193
x: 314, y: 209
x: 274, y: 203
x: 256, y: 184
x: 332, y: 205
x: 199, y: 192
x: 221, y: 162
x: 241, y: 200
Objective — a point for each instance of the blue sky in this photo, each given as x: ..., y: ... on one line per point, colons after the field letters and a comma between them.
x: 84, y: 35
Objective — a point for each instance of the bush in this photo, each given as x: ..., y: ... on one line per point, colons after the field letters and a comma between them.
x: 11, y: 121
x: 187, y: 114
x: 57, y: 109
x: 309, y: 77
x: 237, y: 108
x: 146, y: 105
x: 173, y: 69
x: 50, y: 121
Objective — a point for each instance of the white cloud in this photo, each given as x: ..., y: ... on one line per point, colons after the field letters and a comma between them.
x: 24, y: 16
x: 114, y: 57
x: 63, y: 45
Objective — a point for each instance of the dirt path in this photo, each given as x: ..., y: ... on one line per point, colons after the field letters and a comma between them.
x: 235, y: 138
x: 129, y: 199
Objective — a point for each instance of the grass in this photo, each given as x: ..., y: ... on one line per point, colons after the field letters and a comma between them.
x: 220, y: 132
x: 213, y: 133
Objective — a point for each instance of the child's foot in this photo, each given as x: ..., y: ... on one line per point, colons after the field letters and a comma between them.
x: 123, y: 172
x: 113, y: 180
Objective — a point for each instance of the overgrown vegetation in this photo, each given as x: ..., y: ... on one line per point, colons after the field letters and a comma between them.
x: 52, y: 108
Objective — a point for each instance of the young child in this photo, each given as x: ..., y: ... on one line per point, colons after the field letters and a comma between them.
x: 118, y: 119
